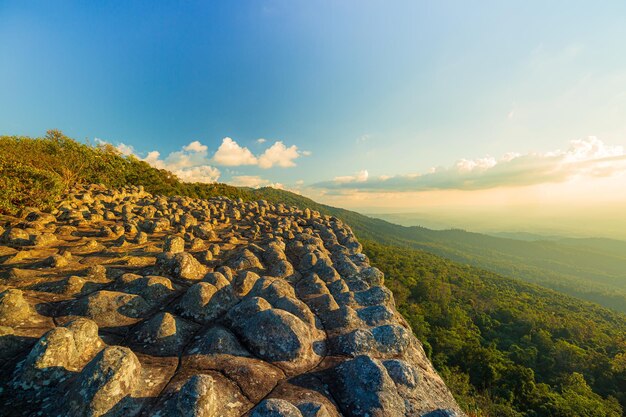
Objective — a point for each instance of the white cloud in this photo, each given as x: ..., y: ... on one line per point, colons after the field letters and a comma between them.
x: 195, y: 146
x: 231, y: 154
x: 192, y: 162
x: 469, y: 165
x: 591, y: 148
x: 253, y: 181
x: 360, y: 176
x: 125, y: 149
x: 203, y: 173
x: 280, y: 155
x: 586, y: 158
x: 153, y: 159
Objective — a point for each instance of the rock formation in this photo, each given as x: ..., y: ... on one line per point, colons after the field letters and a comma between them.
x: 121, y: 303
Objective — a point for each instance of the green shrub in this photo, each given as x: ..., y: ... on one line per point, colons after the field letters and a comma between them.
x: 27, y: 186
x: 39, y: 166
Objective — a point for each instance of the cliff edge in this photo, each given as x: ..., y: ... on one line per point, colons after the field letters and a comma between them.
x: 121, y: 303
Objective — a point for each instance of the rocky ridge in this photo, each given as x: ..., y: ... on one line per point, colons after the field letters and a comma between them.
x: 124, y: 303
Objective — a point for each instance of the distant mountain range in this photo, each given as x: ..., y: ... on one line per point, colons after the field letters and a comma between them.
x: 592, y: 269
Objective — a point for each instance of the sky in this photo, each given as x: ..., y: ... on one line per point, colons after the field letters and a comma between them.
x: 387, y: 106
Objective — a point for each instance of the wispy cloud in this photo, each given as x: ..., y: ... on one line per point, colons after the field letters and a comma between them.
x: 360, y: 176
x: 253, y: 181
x: 588, y: 157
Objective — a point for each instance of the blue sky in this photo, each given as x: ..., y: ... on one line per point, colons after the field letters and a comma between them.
x: 364, y: 90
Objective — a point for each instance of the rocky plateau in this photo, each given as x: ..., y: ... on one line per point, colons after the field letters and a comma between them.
x: 123, y: 303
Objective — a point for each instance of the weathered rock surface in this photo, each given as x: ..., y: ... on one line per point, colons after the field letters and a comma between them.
x: 104, y: 383
x: 120, y: 303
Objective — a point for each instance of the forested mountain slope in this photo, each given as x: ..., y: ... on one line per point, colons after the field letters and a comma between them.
x: 508, y: 348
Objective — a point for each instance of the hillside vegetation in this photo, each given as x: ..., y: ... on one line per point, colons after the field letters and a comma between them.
x: 34, y: 172
x: 506, y: 348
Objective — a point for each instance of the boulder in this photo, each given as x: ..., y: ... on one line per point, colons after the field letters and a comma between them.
x: 244, y: 260
x: 274, y: 407
x: 375, y: 315
x: 373, y: 296
x: 14, y: 309
x: 163, y: 335
x: 391, y: 338
x: 105, y: 382
x: 49, y: 360
x: 373, y: 276
x: 198, y: 397
x: 313, y: 409
x: 16, y: 237
x: 86, y: 338
x: 44, y: 239
x: 402, y: 373
x: 244, y: 282
x: 203, y: 302
x: 111, y: 308
x: 364, y: 389
x: 181, y: 265
x: 278, y: 337
x: 174, y: 244
x: 217, y: 341
x: 152, y: 288
x: 204, y: 231
x: 357, y: 342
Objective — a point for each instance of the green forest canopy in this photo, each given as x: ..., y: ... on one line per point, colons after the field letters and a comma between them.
x: 508, y: 348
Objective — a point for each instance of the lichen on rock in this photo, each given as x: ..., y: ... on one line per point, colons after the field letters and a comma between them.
x: 121, y: 303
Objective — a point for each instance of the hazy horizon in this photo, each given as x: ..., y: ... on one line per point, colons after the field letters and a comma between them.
x: 545, y: 225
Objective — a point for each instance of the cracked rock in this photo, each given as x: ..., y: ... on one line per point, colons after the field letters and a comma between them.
x: 120, y: 303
